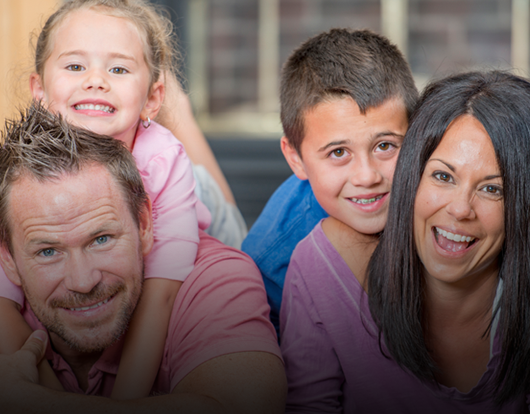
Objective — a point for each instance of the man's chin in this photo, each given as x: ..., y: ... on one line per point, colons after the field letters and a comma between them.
x: 88, y: 340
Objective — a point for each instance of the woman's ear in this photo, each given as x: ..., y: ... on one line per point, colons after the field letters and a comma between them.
x: 293, y: 158
x: 154, y: 101
x: 36, y: 87
x: 8, y: 264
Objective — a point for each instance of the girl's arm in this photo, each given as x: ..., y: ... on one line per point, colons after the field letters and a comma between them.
x: 15, y: 330
x: 177, y: 116
x: 145, y: 340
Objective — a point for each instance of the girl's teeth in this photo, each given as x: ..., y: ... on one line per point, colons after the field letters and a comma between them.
x: 454, y: 237
x: 97, y: 305
x: 366, y: 200
x: 103, y: 108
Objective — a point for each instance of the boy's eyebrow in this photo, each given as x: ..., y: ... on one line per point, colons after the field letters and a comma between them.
x: 83, y: 53
x: 347, y: 141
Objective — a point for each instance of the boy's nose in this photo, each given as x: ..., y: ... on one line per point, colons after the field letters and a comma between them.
x: 364, y: 174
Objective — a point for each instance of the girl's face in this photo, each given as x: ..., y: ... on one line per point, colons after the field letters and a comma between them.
x: 459, y: 207
x: 97, y: 76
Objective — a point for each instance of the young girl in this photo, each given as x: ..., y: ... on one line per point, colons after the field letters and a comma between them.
x: 100, y: 63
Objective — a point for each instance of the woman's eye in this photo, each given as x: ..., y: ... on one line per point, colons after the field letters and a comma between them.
x: 118, y: 71
x: 75, y: 68
x: 338, y: 153
x: 47, y: 252
x: 441, y: 176
x: 101, y: 239
x: 492, y: 189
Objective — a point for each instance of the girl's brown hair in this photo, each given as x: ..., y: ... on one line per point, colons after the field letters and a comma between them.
x: 154, y: 27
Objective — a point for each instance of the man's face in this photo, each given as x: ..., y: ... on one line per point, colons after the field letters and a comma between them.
x: 78, y: 255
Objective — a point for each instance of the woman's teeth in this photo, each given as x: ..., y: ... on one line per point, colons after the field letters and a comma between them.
x: 103, y: 108
x: 454, y: 237
x: 97, y: 305
x: 366, y: 200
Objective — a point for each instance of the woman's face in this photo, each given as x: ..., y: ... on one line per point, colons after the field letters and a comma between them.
x: 458, y: 212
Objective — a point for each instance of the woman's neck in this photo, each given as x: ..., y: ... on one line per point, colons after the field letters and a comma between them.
x: 355, y: 248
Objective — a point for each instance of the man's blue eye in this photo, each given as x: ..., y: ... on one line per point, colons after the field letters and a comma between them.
x: 102, y: 239
x: 47, y: 252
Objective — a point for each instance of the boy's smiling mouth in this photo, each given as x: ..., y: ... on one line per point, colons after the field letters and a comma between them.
x: 367, y: 200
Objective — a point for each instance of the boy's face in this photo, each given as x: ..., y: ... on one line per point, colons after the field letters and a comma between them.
x: 349, y: 159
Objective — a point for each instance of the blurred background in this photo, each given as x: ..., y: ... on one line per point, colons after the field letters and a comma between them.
x: 232, y: 52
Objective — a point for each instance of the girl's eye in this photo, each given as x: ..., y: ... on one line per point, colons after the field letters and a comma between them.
x: 101, y: 239
x: 47, y: 252
x: 441, y: 176
x: 118, y: 71
x: 338, y: 153
x: 75, y: 68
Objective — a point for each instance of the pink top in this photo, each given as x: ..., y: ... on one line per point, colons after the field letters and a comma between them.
x: 220, y: 309
x: 177, y: 212
x: 332, y: 354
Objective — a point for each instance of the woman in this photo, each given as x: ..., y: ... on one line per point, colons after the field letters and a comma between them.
x: 446, y: 327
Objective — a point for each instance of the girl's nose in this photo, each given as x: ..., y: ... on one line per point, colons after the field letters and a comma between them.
x: 94, y: 79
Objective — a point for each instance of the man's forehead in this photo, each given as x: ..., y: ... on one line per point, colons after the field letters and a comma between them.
x: 68, y: 200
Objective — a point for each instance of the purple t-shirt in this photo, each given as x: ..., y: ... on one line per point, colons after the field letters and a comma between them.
x: 331, y: 349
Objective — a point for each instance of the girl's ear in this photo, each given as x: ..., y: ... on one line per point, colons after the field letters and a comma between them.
x: 293, y: 159
x: 36, y: 87
x: 154, y: 101
x: 9, y: 266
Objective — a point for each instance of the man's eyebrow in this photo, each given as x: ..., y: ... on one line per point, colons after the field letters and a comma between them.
x: 84, y: 53
x: 43, y: 241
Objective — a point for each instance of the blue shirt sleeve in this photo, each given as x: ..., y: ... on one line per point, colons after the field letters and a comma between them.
x: 288, y: 217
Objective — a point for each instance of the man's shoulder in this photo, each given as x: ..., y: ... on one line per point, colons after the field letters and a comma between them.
x: 220, y: 309
x: 289, y: 215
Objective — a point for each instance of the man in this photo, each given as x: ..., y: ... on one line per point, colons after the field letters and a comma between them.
x: 75, y: 223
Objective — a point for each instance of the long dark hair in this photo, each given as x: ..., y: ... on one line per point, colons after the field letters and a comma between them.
x: 501, y: 103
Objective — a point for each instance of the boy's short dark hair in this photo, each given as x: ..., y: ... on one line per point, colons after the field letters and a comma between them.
x: 357, y: 63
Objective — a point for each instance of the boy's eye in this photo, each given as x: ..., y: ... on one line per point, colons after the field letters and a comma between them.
x: 75, y: 68
x: 118, y: 71
x: 47, y: 252
x: 384, y: 146
x: 338, y: 153
x: 441, y: 176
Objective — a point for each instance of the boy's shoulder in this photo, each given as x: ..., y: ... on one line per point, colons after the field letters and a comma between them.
x: 289, y: 216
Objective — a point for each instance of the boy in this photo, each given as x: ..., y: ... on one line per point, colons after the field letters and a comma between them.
x: 329, y: 68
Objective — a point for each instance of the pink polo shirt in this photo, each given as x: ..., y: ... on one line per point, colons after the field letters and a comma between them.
x: 220, y: 309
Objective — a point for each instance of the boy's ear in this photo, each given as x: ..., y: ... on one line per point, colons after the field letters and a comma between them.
x: 9, y: 266
x: 145, y: 228
x: 36, y: 87
x: 293, y: 159
x: 154, y: 101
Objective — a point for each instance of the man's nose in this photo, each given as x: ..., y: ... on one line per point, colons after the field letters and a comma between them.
x: 82, y: 275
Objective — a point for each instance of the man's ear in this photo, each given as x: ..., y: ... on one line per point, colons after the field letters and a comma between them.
x: 145, y: 228
x: 293, y: 159
x: 36, y: 87
x: 8, y: 264
x: 154, y: 101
